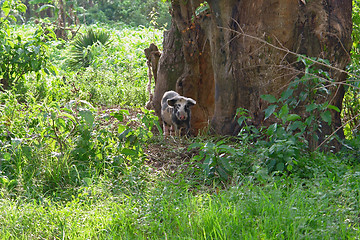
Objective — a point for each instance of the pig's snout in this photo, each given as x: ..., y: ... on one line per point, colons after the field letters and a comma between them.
x: 182, y: 117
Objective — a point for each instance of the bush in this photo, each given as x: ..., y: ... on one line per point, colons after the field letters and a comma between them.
x: 21, y: 55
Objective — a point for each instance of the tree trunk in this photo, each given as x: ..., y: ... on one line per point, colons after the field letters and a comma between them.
x: 61, y: 21
x: 227, y: 55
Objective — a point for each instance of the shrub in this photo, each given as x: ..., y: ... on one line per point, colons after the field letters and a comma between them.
x: 86, y: 47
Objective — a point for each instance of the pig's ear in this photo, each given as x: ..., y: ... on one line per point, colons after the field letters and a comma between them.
x: 191, y: 102
x: 172, y: 101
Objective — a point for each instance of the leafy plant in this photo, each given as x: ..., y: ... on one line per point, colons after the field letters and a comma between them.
x: 85, y: 48
x: 220, y: 160
x: 292, y: 135
x: 60, y: 145
x: 248, y: 133
x: 18, y: 55
x: 217, y: 159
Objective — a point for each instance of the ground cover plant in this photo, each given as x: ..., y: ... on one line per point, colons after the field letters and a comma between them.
x: 81, y: 159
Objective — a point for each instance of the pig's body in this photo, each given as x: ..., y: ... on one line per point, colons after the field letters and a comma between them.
x: 175, y: 112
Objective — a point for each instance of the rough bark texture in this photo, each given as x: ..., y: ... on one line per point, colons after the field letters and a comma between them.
x: 152, y: 54
x: 211, y: 57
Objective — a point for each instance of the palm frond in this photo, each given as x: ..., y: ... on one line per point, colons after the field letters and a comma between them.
x: 82, y: 53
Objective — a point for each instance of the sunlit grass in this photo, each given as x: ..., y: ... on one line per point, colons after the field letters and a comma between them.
x: 281, y: 209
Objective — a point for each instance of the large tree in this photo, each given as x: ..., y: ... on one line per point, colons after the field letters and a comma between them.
x: 225, y: 54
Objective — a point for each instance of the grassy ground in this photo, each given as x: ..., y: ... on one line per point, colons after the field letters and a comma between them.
x: 172, y: 208
x: 168, y: 198
x: 79, y: 159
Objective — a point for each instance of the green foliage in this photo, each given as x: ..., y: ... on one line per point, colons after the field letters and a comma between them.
x: 130, y: 12
x: 217, y: 159
x: 292, y: 136
x: 222, y: 159
x: 118, y: 74
x: 351, y: 102
x: 203, y: 7
x: 19, y: 55
x: 86, y: 47
x: 289, y: 139
x: 10, y: 10
x: 53, y: 146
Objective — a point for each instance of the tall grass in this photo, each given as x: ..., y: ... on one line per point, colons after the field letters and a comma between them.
x: 280, y: 209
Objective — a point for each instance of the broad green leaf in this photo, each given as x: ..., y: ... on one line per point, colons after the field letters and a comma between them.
x: 334, y: 108
x: 226, y: 164
x: 280, y: 167
x: 271, y: 129
x: 60, y: 123
x: 303, y: 96
x: 311, y: 107
x: 195, y: 145
x: 208, y: 160
x: 271, y: 164
x: 1, y: 3
x: 88, y: 116
x: 118, y: 115
x: 222, y: 172
x: 21, y: 7
x: 39, y: 1
x: 269, y: 98
x: 226, y: 149
x: 269, y: 111
x: 44, y: 7
x: 86, y: 103
x: 11, y: 43
x: 284, y: 111
x: 326, y: 117
x: 121, y: 128
x: 242, y: 111
x: 6, y: 8
x: 289, y: 167
x: 65, y: 114
x: 45, y: 71
x: 286, y: 94
x: 12, y: 18
x: 129, y: 152
x: 124, y: 133
x: 293, y: 117
x: 4, y: 180
x: 296, y: 125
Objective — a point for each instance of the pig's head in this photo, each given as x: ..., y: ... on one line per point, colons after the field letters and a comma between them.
x: 181, y: 107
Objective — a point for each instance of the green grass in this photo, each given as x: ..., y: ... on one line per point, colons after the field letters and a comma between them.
x: 75, y: 165
x: 280, y: 209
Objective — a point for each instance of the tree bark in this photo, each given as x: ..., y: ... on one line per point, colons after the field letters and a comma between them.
x: 228, y: 55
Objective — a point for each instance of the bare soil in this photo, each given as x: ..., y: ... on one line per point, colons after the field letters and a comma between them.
x: 167, y: 154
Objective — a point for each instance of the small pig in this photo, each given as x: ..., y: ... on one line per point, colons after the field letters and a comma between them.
x: 175, y: 112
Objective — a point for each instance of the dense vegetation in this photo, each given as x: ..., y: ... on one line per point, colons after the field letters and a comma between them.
x: 81, y: 159
x: 126, y: 12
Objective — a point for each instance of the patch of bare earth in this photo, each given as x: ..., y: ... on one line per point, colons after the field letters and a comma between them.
x: 168, y: 154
